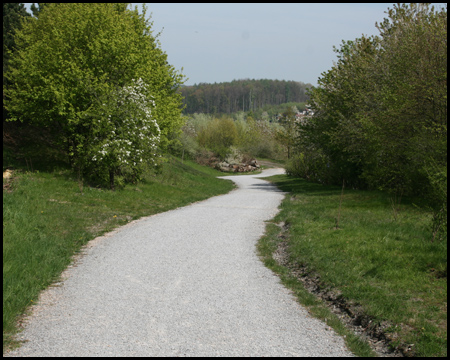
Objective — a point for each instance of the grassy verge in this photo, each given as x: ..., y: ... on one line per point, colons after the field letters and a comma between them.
x: 46, y: 220
x: 269, y: 163
x: 389, y: 273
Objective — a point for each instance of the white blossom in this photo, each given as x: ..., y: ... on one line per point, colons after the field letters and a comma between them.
x: 132, y: 129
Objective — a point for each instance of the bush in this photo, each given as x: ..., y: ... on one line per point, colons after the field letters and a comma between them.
x: 218, y: 136
x: 310, y: 166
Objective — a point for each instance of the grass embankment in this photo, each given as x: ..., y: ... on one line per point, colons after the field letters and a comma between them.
x: 385, y: 268
x: 46, y: 220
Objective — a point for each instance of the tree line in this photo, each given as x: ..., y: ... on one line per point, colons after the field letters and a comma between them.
x: 241, y: 95
x: 380, y: 113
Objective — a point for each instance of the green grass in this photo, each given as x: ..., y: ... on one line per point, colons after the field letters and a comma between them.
x: 390, y: 268
x: 46, y: 220
x: 267, y: 245
x: 271, y: 162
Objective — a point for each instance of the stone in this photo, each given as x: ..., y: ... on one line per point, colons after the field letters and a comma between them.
x: 7, y: 174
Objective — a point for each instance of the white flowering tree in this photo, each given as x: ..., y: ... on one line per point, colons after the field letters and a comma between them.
x: 125, y: 136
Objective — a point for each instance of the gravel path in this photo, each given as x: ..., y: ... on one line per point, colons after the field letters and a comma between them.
x: 186, y: 282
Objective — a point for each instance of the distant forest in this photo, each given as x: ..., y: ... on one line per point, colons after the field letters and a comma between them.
x: 241, y: 95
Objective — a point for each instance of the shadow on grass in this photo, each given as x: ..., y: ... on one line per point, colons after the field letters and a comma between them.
x: 266, y: 187
x: 302, y: 186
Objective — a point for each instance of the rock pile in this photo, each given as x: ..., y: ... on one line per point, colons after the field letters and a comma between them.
x: 251, y: 165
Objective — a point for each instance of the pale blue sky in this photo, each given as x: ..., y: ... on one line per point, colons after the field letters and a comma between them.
x: 220, y: 42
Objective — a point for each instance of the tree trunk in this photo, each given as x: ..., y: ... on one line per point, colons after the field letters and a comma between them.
x: 80, y: 179
x: 111, y: 179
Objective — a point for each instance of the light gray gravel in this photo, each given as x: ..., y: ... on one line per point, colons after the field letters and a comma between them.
x: 186, y: 282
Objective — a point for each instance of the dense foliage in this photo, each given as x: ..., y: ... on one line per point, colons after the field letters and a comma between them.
x: 241, y: 95
x: 234, y: 136
x: 74, y: 64
x: 381, y: 112
x: 12, y: 21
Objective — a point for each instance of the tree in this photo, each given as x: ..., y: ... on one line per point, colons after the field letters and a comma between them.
x: 75, y: 58
x: 380, y: 113
x: 124, y: 133
x: 411, y: 65
x: 13, y: 13
x: 384, y: 99
x: 412, y: 68
x: 340, y: 101
x: 37, y: 9
x: 287, y: 134
x: 218, y: 135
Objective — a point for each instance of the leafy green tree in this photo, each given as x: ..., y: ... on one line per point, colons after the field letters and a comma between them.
x: 412, y: 68
x: 219, y: 135
x: 382, y: 101
x: 248, y: 134
x: 380, y: 113
x: 74, y: 59
x: 13, y: 13
x: 410, y: 127
x: 37, y: 9
x: 336, y: 127
x: 287, y: 134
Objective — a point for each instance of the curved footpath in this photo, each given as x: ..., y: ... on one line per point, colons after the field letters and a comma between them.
x: 186, y: 282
